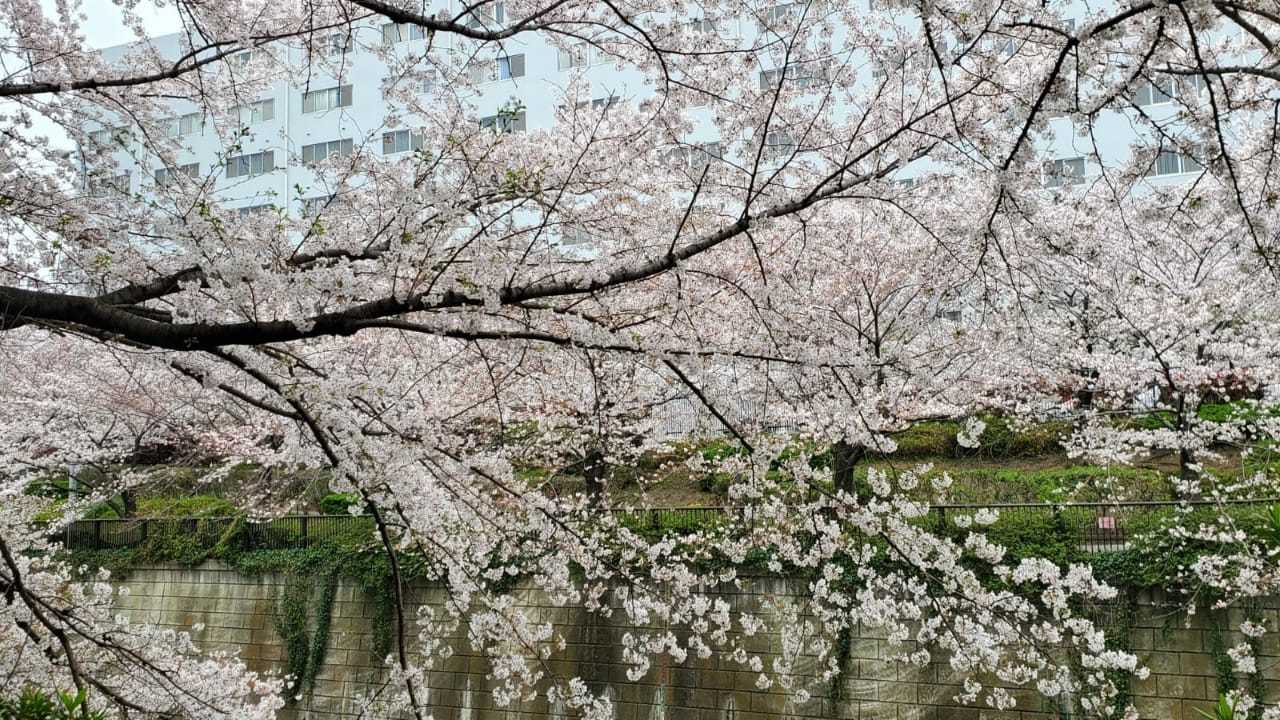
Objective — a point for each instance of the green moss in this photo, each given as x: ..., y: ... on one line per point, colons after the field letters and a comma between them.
x: 1000, y: 439
x: 338, y: 503
x: 197, y: 506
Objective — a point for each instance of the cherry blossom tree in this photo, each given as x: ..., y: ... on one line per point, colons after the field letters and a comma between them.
x: 395, y: 331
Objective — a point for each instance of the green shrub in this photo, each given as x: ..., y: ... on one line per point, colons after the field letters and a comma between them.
x: 932, y: 438
x: 717, y: 450
x: 657, y: 524
x: 1001, y: 439
x: 338, y: 503
x: 1054, y: 535
x: 1156, y: 558
x: 33, y: 704
x: 198, y: 506
x: 937, y: 439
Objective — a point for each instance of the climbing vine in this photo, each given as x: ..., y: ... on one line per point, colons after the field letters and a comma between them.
x: 1222, y: 666
x: 1119, y: 630
x: 303, y: 610
x: 844, y: 647
x: 291, y: 625
x: 305, y: 629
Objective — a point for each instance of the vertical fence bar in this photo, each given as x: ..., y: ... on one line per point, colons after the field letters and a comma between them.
x: 1096, y: 527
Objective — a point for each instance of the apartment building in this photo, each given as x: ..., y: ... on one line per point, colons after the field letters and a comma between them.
x: 292, y: 126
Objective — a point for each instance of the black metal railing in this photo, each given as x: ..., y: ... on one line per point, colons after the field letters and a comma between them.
x: 1094, y: 526
x: 291, y: 531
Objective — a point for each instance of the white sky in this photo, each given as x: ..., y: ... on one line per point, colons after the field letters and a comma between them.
x: 103, y: 28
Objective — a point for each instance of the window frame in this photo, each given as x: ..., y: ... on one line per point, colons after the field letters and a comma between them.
x: 505, y: 122
x: 243, y: 164
x: 335, y: 98
x: 325, y: 149
x: 1055, y: 173
x: 413, y: 141
x: 168, y: 176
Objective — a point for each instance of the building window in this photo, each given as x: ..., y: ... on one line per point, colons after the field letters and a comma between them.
x: 801, y: 76
x: 1172, y: 162
x: 338, y: 43
x: 1002, y: 46
x: 779, y: 144
x: 255, y: 112
x: 575, y: 236
x: 701, y: 25
x: 327, y: 99
x: 597, y: 104
x: 255, y: 209
x: 242, y: 59
x: 1062, y: 172
x: 887, y: 63
x: 1163, y: 90
x: 779, y: 15
x: 111, y: 136
x: 250, y: 165
x: 189, y: 124
x: 393, y: 33
x: 488, y: 16
x: 168, y: 176
x: 504, y: 122
x: 318, y: 152
x: 101, y: 185
x: 505, y: 67
x: 696, y: 156
x: 1158, y: 92
x: 579, y: 55
x: 311, y: 207
x: 398, y: 141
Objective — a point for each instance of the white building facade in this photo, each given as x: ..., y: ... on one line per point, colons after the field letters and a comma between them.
x: 293, y: 126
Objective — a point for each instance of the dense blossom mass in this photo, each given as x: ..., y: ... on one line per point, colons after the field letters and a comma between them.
x: 428, y: 330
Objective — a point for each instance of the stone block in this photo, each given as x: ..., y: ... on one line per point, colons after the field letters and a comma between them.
x: 1158, y: 708
x: 1183, y: 641
x: 877, y: 669
x: 1142, y: 639
x: 937, y: 694
x: 898, y: 692
x: 1162, y: 662
x: 1196, y: 664
x: 860, y: 689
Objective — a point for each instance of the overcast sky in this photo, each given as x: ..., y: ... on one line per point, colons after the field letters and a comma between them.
x: 103, y: 28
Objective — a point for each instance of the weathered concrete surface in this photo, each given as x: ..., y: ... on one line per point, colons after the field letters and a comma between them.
x: 236, y: 614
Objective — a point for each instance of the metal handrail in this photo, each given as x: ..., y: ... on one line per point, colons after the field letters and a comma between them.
x: 289, y: 531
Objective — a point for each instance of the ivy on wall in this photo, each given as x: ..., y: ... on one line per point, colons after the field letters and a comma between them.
x: 303, y: 611
x: 303, y: 625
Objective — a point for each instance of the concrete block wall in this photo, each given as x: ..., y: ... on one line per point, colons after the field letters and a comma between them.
x: 236, y: 613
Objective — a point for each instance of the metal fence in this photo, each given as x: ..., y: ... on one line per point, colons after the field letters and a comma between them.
x: 1094, y: 526
x: 292, y: 531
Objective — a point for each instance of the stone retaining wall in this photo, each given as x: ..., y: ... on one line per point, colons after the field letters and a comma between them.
x: 236, y: 613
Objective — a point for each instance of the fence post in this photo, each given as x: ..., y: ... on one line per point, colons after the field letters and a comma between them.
x: 302, y: 525
x: 146, y: 526
x: 97, y: 534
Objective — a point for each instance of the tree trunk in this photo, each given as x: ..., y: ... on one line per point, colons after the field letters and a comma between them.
x: 593, y: 473
x: 844, y: 458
